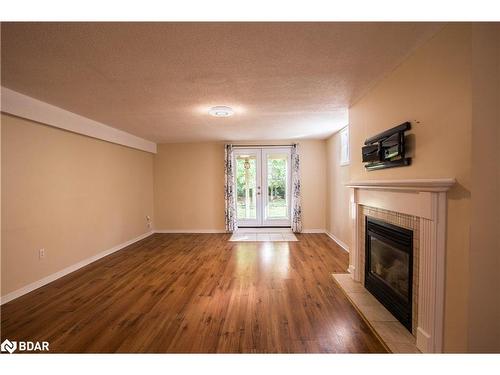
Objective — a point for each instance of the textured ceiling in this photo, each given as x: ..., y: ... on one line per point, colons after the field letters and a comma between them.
x: 157, y: 80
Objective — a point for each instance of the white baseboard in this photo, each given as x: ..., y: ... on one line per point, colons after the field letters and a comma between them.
x: 240, y: 230
x: 313, y: 231
x: 189, y: 231
x: 343, y: 245
x: 48, y: 279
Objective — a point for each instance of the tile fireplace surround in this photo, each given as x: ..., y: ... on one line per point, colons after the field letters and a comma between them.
x: 424, y: 202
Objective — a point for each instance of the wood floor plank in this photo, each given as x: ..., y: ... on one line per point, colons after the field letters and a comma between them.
x: 198, y: 293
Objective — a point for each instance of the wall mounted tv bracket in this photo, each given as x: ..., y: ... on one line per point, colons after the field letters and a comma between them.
x: 387, y: 149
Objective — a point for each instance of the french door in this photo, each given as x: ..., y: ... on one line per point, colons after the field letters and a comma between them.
x: 262, y: 186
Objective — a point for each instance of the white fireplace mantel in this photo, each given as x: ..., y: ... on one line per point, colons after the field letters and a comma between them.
x: 437, y: 184
x: 426, y: 200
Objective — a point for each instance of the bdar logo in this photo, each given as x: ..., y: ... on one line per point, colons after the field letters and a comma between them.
x: 8, y: 346
x: 24, y: 346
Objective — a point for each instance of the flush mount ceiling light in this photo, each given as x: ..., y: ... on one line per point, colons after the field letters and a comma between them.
x: 221, y: 111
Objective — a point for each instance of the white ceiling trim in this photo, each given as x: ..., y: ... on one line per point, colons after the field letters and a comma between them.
x: 27, y: 107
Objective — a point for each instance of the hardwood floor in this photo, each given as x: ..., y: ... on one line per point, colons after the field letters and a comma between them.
x: 198, y: 293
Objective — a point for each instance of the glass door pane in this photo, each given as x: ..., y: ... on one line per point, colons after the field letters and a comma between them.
x: 277, y: 187
x: 247, y: 181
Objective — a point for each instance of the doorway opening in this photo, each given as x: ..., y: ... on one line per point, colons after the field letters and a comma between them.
x: 262, y: 186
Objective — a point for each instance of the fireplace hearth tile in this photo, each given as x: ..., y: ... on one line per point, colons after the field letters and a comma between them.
x: 402, y: 348
x: 378, y: 313
x: 389, y: 330
x: 393, y: 332
x: 363, y: 298
x: 349, y: 285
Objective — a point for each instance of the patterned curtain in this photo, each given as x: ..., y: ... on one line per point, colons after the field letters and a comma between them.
x: 296, y: 207
x: 229, y: 198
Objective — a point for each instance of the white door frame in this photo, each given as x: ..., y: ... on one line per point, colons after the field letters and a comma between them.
x: 261, y: 153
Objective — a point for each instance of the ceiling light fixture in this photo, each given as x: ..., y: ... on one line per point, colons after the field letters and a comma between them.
x: 221, y: 111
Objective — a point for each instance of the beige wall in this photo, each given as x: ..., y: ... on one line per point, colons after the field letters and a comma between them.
x: 432, y: 89
x: 337, y: 216
x: 72, y: 195
x: 484, y: 259
x: 189, y: 185
x: 313, y: 183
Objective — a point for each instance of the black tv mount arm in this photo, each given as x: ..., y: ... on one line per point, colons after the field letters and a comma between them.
x: 387, y: 149
x: 387, y: 133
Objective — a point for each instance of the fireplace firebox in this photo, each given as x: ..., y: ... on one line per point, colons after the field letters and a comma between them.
x: 389, y: 267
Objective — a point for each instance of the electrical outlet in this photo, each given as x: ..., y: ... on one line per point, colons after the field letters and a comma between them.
x: 41, y: 253
x: 148, y: 221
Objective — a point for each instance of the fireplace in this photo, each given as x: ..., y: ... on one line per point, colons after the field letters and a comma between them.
x: 389, y: 267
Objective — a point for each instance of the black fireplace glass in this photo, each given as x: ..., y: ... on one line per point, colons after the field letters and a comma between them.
x: 391, y: 265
